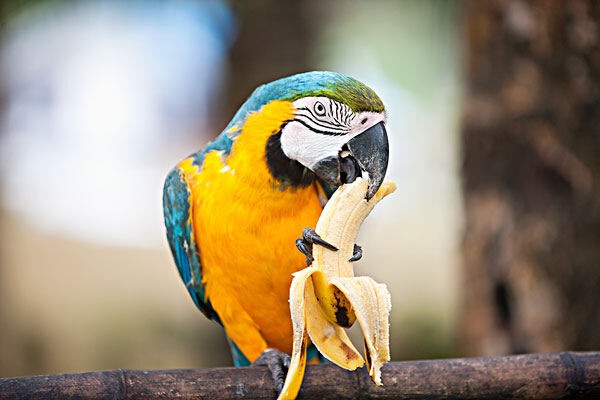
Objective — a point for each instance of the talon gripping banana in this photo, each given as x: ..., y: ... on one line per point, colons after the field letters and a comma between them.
x: 326, y: 297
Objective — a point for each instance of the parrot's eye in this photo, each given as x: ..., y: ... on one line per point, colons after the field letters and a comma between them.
x: 319, y: 109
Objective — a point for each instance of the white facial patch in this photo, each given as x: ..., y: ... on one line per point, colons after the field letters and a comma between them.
x: 321, y: 127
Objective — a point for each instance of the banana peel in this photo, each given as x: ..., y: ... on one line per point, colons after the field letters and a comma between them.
x: 326, y: 297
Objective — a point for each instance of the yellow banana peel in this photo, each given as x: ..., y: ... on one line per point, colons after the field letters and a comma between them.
x: 333, y: 298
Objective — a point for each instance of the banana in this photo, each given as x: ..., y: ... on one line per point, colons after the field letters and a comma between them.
x: 298, y: 361
x: 373, y: 303
x: 333, y: 298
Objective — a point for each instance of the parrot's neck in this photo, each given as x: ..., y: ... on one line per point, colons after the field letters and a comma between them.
x: 257, y: 152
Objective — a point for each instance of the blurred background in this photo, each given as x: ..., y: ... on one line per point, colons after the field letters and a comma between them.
x: 491, y: 245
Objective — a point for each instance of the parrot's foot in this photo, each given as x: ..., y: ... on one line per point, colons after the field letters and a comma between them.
x: 356, y: 253
x: 278, y: 364
x: 310, y: 237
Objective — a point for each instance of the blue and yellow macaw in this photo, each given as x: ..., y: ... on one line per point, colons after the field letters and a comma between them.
x: 234, y: 209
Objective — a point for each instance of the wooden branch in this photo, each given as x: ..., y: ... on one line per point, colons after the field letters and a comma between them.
x: 533, y: 376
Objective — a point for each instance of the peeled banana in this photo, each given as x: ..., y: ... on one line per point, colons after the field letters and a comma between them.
x: 333, y: 298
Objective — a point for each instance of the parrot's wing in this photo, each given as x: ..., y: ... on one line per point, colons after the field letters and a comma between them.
x: 178, y: 221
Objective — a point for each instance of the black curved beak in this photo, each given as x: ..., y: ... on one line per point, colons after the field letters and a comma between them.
x: 372, y: 151
x: 368, y: 152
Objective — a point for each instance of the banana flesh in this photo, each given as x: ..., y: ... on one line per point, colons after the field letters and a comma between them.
x: 372, y: 301
x: 333, y: 298
x: 298, y: 362
x: 331, y: 339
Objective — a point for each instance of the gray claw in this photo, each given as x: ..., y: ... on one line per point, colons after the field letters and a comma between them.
x: 357, y: 255
x: 313, y: 237
x: 305, y: 244
x: 278, y: 364
x: 306, y: 249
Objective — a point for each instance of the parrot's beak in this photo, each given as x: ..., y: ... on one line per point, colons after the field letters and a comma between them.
x: 365, y: 155
x: 372, y: 151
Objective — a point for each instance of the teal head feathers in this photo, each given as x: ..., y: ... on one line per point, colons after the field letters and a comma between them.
x: 337, y: 133
x: 341, y: 88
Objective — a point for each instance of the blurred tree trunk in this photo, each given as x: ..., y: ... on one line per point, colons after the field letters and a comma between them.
x: 531, y: 175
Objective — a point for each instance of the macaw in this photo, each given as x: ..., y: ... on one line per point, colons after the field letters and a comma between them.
x: 234, y: 210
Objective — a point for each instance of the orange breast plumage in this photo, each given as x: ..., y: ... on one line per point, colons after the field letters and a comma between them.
x: 246, y: 225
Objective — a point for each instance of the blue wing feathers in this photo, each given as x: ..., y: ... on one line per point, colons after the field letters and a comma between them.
x: 180, y: 234
x: 223, y: 142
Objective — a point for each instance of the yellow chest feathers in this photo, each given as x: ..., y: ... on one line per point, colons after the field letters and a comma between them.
x: 241, y: 182
x: 246, y: 226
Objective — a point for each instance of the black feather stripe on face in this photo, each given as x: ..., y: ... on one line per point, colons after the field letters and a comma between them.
x: 317, y: 130
x: 288, y: 172
x: 326, y: 123
x: 335, y: 122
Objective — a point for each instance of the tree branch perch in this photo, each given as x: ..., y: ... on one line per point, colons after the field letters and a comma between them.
x: 531, y: 376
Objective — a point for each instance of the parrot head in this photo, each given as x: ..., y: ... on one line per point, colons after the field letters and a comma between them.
x: 337, y: 132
